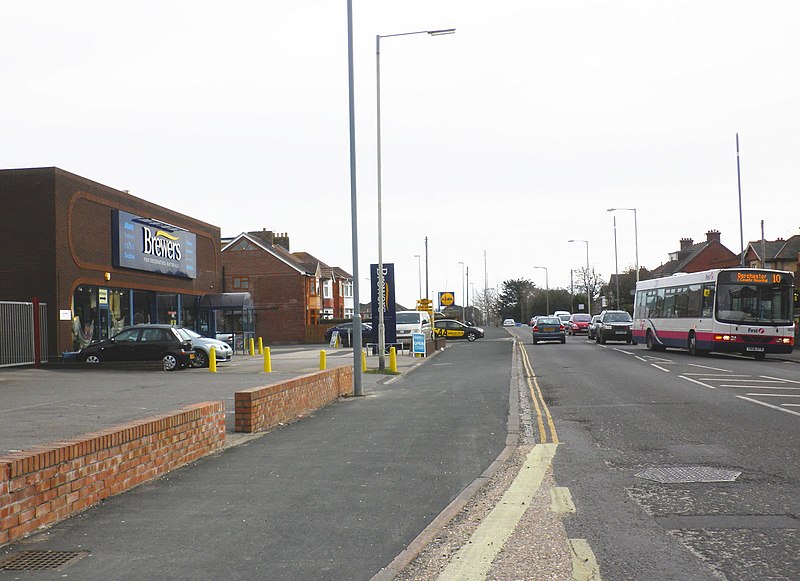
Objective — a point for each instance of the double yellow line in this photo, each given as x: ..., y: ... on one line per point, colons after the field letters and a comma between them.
x: 542, y: 411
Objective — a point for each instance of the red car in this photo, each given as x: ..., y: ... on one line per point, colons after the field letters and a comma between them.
x: 579, y: 324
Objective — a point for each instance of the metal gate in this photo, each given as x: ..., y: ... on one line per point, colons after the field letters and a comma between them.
x: 18, y: 333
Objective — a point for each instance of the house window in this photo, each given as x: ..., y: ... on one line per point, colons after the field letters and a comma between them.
x: 348, y: 289
x: 327, y: 289
x: 240, y: 282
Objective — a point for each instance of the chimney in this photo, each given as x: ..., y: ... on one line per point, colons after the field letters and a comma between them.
x: 712, y: 236
x: 686, y: 243
x: 282, y: 240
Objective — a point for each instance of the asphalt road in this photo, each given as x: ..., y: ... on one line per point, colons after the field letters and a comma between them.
x: 623, y: 413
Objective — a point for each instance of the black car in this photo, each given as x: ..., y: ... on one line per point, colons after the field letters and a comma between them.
x: 614, y: 326
x: 346, y: 331
x: 142, y: 343
x: 452, y: 329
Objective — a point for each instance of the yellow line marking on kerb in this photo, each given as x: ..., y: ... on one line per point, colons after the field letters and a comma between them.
x: 584, y: 565
x: 473, y: 560
x: 561, y: 500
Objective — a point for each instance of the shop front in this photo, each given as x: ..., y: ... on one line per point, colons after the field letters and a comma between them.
x: 102, y: 258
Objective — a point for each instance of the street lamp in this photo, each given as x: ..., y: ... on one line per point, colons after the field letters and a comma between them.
x: 381, y: 282
x: 547, y: 287
x: 419, y: 273
x: 586, y: 276
x: 635, y: 234
x: 463, y: 294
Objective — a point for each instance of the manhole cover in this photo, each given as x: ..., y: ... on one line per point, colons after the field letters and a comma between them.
x: 684, y: 474
x: 41, y: 560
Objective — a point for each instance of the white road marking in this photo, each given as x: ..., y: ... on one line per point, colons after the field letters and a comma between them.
x: 697, y: 382
x: 775, y: 394
x: 761, y: 386
x: 659, y: 367
x: 780, y: 379
x: 712, y: 375
x: 707, y: 367
x: 751, y: 380
x: 623, y: 351
x: 775, y: 407
x: 641, y: 359
x: 791, y: 405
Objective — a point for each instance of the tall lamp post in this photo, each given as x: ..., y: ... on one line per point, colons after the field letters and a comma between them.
x: 586, y: 276
x: 381, y: 282
x: 419, y: 273
x: 463, y: 294
x: 546, y: 286
x: 635, y: 234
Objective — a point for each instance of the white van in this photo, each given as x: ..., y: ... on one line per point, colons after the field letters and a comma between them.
x: 409, y: 322
x: 564, y: 316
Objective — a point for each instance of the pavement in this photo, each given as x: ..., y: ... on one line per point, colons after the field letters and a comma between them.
x: 337, y: 495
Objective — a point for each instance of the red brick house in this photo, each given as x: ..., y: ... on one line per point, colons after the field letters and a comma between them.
x: 698, y: 257
x: 292, y: 291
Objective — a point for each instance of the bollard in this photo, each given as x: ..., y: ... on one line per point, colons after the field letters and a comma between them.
x: 323, y: 360
x: 260, y: 346
x: 363, y: 360
x: 252, y: 347
x: 267, y: 361
x: 212, y: 359
x: 393, y: 360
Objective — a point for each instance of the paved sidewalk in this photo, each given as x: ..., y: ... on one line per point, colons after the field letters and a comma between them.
x: 336, y: 495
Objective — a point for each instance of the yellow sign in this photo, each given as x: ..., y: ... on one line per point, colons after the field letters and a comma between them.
x: 446, y: 299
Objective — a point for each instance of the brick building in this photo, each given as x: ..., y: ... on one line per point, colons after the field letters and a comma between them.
x: 99, y: 257
x: 698, y: 257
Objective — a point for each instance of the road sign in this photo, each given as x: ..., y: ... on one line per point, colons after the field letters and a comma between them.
x: 446, y: 299
x: 418, y: 343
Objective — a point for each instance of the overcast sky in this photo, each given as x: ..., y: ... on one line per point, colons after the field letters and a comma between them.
x: 511, y: 136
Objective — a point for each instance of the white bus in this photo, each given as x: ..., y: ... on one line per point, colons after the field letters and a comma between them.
x: 734, y: 310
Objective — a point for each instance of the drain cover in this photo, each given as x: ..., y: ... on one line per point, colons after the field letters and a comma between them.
x: 41, y: 560
x: 684, y: 474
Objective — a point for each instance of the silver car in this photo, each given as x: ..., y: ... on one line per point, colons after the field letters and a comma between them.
x: 202, y: 347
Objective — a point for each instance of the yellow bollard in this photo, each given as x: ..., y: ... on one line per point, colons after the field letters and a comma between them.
x: 252, y: 347
x: 212, y: 360
x: 363, y: 360
x: 260, y: 346
x: 267, y: 361
x: 393, y: 360
x: 323, y: 360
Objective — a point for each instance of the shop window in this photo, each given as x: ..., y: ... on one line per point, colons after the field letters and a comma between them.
x: 189, y: 311
x: 143, y: 307
x: 119, y: 310
x: 167, y: 308
x: 240, y: 282
x: 85, y: 315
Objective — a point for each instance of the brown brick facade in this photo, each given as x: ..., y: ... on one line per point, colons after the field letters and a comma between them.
x: 58, y: 235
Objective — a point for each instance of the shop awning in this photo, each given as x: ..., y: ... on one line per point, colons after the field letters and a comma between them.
x: 227, y: 301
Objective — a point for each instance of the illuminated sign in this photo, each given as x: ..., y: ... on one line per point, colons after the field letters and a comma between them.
x: 754, y: 277
x: 152, y: 245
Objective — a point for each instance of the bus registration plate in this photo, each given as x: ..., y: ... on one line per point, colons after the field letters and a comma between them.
x: 756, y: 349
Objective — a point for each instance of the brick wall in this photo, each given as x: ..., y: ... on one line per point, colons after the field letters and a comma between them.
x: 261, y: 408
x: 49, y: 483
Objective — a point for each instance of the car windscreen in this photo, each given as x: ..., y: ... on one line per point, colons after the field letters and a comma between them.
x: 618, y: 318
x: 408, y: 318
x: 548, y: 321
x: 581, y: 318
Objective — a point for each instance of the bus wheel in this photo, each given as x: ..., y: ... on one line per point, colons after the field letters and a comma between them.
x: 693, y: 346
x: 651, y: 346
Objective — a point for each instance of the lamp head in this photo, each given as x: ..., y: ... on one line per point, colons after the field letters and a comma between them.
x: 441, y: 32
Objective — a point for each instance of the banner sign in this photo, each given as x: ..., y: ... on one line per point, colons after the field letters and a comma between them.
x: 154, y: 246
x: 389, y: 307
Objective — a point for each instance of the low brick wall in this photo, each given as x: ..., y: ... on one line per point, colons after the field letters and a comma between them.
x: 261, y: 408
x: 49, y: 483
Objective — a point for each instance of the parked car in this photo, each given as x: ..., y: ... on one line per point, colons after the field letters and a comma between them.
x: 142, y: 343
x: 452, y: 329
x: 614, y: 326
x: 346, y: 333
x: 592, y: 329
x: 509, y: 323
x: 579, y: 323
x: 549, y: 329
x: 202, y: 348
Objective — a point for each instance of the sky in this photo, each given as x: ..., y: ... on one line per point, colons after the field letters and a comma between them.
x: 500, y: 143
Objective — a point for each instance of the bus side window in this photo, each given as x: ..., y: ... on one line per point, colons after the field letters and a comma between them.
x: 708, y: 301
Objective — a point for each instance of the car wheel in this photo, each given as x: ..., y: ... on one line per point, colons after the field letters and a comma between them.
x: 200, y: 358
x: 597, y: 338
x: 563, y: 340
x: 471, y: 336
x: 170, y: 362
x: 602, y: 339
x: 535, y: 341
x: 93, y: 358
